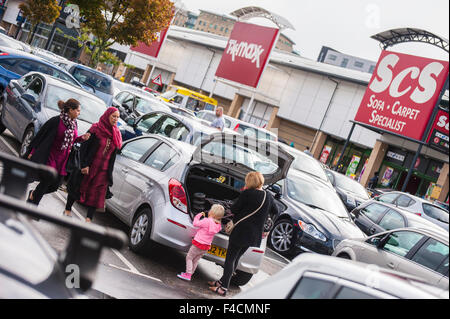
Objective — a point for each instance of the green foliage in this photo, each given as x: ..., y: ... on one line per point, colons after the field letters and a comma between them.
x: 37, y: 11
x: 126, y: 22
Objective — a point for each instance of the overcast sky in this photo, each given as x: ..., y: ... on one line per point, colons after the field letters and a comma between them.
x: 346, y: 25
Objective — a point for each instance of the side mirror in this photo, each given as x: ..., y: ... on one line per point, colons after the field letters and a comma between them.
x: 131, y: 121
x: 126, y: 106
x: 276, y: 189
x: 29, y: 98
x: 383, y: 241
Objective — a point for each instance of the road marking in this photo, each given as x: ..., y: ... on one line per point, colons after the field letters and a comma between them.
x: 132, y: 272
x: 9, y: 146
x: 131, y: 269
x: 281, y: 256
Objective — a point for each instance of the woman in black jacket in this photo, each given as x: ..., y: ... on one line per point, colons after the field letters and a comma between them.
x: 250, y: 213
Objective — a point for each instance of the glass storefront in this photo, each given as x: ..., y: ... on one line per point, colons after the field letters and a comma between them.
x: 354, y: 159
x: 394, y: 170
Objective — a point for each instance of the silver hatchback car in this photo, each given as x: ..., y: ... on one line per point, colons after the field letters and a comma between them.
x: 160, y: 183
x: 419, y: 252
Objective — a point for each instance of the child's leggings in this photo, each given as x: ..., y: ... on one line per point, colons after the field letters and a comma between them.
x: 193, y: 257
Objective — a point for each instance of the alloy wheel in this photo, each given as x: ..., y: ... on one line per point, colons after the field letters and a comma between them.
x: 26, y: 142
x: 139, y: 229
x: 281, y: 237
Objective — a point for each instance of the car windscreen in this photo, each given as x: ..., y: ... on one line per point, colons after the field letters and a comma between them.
x: 308, y: 165
x: 100, y: 83
x: 435, y: 212
x: 315, y: 195
x: 144, y: 106
x: 237, y: 154
x: 350, y: 185
x: 254, y: 132
x: 91, y: 110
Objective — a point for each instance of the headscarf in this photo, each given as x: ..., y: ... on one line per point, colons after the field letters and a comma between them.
x: 70, y: 129
x: 103, y: 128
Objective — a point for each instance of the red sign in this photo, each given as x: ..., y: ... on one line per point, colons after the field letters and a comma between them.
x: 402, y: 93
x: 439, y: 133
x: 247, y: 53
x: 154, y: 48
x: 157, y: 80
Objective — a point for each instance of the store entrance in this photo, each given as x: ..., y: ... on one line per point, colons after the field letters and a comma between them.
x: 413, y: 185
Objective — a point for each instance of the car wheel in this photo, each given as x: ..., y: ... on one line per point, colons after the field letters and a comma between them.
x: 281, y: 238
x: 2, y: 126
x: 27, y: 138
x: 139, y: 235
x: 241, y: 278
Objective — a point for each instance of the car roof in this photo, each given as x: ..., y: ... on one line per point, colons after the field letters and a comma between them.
x: 310, y: 178
x: 13, y: 53
x: 57, y: 82
x: 417, y: 198
x: 81, y: 66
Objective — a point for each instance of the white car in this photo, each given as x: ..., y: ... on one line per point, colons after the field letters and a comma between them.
x: 157, y: 182
x: 239, y: 126
x: 418, y: 206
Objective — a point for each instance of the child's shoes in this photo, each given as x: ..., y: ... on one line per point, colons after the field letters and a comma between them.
x: 185, y: 276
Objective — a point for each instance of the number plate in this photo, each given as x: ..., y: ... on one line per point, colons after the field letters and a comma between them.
x: 217, y: 251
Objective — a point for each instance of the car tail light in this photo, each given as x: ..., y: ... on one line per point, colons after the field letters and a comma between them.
x: 177, y: 195
x: 236, y: 127
x: 418, y: 214
x: 3, y: 53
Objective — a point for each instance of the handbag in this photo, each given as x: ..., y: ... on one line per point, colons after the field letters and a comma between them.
x: 230, y: 225
x: 74, y: 162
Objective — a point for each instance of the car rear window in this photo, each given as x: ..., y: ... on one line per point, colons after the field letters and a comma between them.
x: 100, y: 83
x: 436, y: 213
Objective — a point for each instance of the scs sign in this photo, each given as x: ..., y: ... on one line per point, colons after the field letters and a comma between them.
x: 402, y: 93
x: 247, y: 53
x: 439, y: 134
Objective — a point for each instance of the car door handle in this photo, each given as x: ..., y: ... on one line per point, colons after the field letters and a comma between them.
x: 150, y: 184
x: 391, y: 265
x: 125, y: 170
x: 373, y: 230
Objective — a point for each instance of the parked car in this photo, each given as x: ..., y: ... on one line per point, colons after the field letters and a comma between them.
x: 307, y: 164
x: 350, y: 191
x: 167, y: 124
x: 29, y: 102
x: 239, y: 126
x: 102, y: 83
x: 9, y: 42
x: 29, y: 267
x: 375, y: 217
x: 418, y: 206
x: 157, y: 181
x: 182, y: 111
x: 312, y: 276
x: 14, y: 64
x: 419, y: 252
x: 134, y: 104
x: 314, y: 218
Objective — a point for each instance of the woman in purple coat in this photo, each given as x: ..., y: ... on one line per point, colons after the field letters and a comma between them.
x: 52, y: 146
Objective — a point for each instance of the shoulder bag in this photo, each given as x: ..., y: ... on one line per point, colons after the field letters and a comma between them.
x: 230, y: 225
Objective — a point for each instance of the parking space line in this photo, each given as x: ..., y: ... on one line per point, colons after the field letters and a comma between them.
x: 135, y: 273
x: 9, y: 146
x: 131, y: 269
x: 281, y: 256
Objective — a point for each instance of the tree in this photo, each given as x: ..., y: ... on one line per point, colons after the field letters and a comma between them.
x: 126, y: 22
x: 37, y: 11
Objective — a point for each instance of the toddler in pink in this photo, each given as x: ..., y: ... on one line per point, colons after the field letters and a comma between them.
x: 207, y: 228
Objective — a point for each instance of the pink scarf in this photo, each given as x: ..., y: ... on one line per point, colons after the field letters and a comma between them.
x: 104, y: 129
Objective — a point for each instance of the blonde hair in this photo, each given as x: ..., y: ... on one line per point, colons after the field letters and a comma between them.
x: 254, y: 180
x: 217, y: 210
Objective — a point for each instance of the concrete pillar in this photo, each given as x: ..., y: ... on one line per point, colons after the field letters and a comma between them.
x: 317, y: 147
x: 375, y: 160
x: 172, y: 78
x: 146, y: 74
x: 236, y: 105
x: 443, y: 182
x: 272, y: 118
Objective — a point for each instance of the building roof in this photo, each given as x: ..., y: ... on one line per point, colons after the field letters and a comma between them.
x: 277, y: 57
x: 258, y: 12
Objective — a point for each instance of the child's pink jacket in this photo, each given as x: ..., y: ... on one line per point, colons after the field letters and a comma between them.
x: 207, y: 229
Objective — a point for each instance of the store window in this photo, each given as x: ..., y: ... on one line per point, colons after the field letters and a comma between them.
x: 260, y: 113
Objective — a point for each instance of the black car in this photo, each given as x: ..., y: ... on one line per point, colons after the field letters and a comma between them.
x: 314, y: 218
x: 350, y: 191
x: 135, y: 104
x: 29, y: 267
x: 374, y: 217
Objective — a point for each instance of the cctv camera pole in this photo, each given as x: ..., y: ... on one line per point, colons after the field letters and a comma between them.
x: 425, y: 135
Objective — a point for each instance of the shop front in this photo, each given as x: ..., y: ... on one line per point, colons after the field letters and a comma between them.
x: 354, y: 159
x: 394, y: 169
